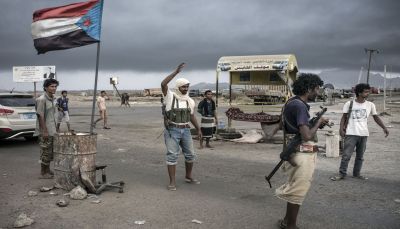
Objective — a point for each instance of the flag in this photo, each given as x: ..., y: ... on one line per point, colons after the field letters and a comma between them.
x: 66, y: 27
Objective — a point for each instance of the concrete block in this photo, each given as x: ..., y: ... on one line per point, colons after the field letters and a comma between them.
x: 332, y: 145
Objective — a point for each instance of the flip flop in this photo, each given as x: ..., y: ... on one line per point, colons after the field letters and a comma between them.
x: 171, y: 188
x: 192, y: 181
x: 336, y: 178
x: 361, y: 177
x: 46, y: 176
x: 282, y: 224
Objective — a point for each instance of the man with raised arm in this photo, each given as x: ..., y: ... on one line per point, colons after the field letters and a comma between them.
x: 179, y: 112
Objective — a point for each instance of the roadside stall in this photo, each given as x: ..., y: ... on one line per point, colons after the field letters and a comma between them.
x: 266, y: 79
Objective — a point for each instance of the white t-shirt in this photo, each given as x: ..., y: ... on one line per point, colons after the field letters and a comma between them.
x: 101, y: 103
x: 182, y: 104
x: 358, y: 121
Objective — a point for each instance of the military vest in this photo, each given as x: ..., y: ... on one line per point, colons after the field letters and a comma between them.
x: 178, y: 115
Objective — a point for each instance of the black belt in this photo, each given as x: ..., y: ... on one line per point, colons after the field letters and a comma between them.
x: 180, y: 126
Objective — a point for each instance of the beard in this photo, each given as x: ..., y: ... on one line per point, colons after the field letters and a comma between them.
x: 312, y: 98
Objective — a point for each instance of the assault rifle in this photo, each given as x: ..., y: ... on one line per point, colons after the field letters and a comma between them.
x: 294, y: 143
x: 164, y: 114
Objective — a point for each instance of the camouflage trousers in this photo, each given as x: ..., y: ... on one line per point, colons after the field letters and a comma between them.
x: 46, y: 150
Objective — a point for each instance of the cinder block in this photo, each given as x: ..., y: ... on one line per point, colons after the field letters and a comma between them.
x: 332, y: 145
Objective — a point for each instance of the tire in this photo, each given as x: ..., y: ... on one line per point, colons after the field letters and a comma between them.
x: 31, y: 138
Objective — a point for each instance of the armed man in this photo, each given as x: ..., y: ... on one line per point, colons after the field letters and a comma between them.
x: 300, y: 165
x: 179, y: 112
x: 46, y: 126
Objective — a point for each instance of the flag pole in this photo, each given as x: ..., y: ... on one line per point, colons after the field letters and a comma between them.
x: 34, y: 90
x: 97, y: 73
x: 95, y: 88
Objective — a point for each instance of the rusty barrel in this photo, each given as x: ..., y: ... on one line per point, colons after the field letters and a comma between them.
x: 74, y: 160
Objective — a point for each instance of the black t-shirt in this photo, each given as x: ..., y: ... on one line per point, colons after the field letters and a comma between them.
x: 296, y: 113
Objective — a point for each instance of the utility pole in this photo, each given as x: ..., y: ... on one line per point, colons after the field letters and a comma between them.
x: 384, y: 88
x: 370, y: 51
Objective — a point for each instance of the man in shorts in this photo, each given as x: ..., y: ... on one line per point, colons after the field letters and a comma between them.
x: 301, y: 165
x: 101, y: 104
x: 63, y: 110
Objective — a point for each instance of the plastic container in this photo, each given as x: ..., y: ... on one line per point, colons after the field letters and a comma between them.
x: 221, y: 125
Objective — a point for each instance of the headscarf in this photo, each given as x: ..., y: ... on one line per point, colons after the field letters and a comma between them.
x: 179, y: 83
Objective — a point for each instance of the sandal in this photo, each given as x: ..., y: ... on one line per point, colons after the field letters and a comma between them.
x: 46, y: 176
x: 282, y: 224
x: 361, y: 177
x: 171, y: 188
x: 336, y: 178
x: 191, y: 181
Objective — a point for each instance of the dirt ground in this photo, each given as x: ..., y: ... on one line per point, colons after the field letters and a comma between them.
x: 232, y: 194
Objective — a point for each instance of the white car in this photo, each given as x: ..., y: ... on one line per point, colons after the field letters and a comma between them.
x: 17, y: 115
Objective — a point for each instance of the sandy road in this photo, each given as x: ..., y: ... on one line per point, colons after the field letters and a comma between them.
x: 232, y: 193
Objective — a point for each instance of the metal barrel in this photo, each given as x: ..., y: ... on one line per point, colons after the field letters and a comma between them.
x: 74, y: 160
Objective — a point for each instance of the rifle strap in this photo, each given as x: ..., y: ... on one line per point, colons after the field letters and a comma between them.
x: 286, y: 123
x: 349, y: 113
x: 350, y: 107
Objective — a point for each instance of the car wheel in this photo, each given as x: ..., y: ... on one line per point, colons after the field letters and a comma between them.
x: 31, y: 138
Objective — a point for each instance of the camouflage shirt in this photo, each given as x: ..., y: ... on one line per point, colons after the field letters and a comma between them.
x: 45, y: 107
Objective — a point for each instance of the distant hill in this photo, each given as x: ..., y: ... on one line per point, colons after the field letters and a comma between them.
x: 347, y: 79
x: 211, y: 86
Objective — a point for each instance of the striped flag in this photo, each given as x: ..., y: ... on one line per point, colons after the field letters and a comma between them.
x: 66, y: 27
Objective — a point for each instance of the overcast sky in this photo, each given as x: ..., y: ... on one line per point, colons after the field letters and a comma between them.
x: 144, y: 40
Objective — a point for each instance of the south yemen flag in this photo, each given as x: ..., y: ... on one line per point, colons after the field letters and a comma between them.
x: 66, y: 27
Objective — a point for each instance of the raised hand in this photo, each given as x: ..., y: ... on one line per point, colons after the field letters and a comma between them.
x: 179, y: 68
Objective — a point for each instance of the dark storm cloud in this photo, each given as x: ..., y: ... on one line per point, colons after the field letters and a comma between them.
x: 155, y: 35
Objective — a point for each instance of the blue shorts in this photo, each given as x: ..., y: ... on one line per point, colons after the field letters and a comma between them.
x: 177, y: 139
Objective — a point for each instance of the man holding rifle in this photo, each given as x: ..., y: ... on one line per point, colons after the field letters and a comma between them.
x: 301, y: 164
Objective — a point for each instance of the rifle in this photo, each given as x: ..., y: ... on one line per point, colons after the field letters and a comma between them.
x: 165, y: 117
x: 294, y: 143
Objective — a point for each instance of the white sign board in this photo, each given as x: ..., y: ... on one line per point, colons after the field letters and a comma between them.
x: 33, y: 73
x: 114, y: 80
